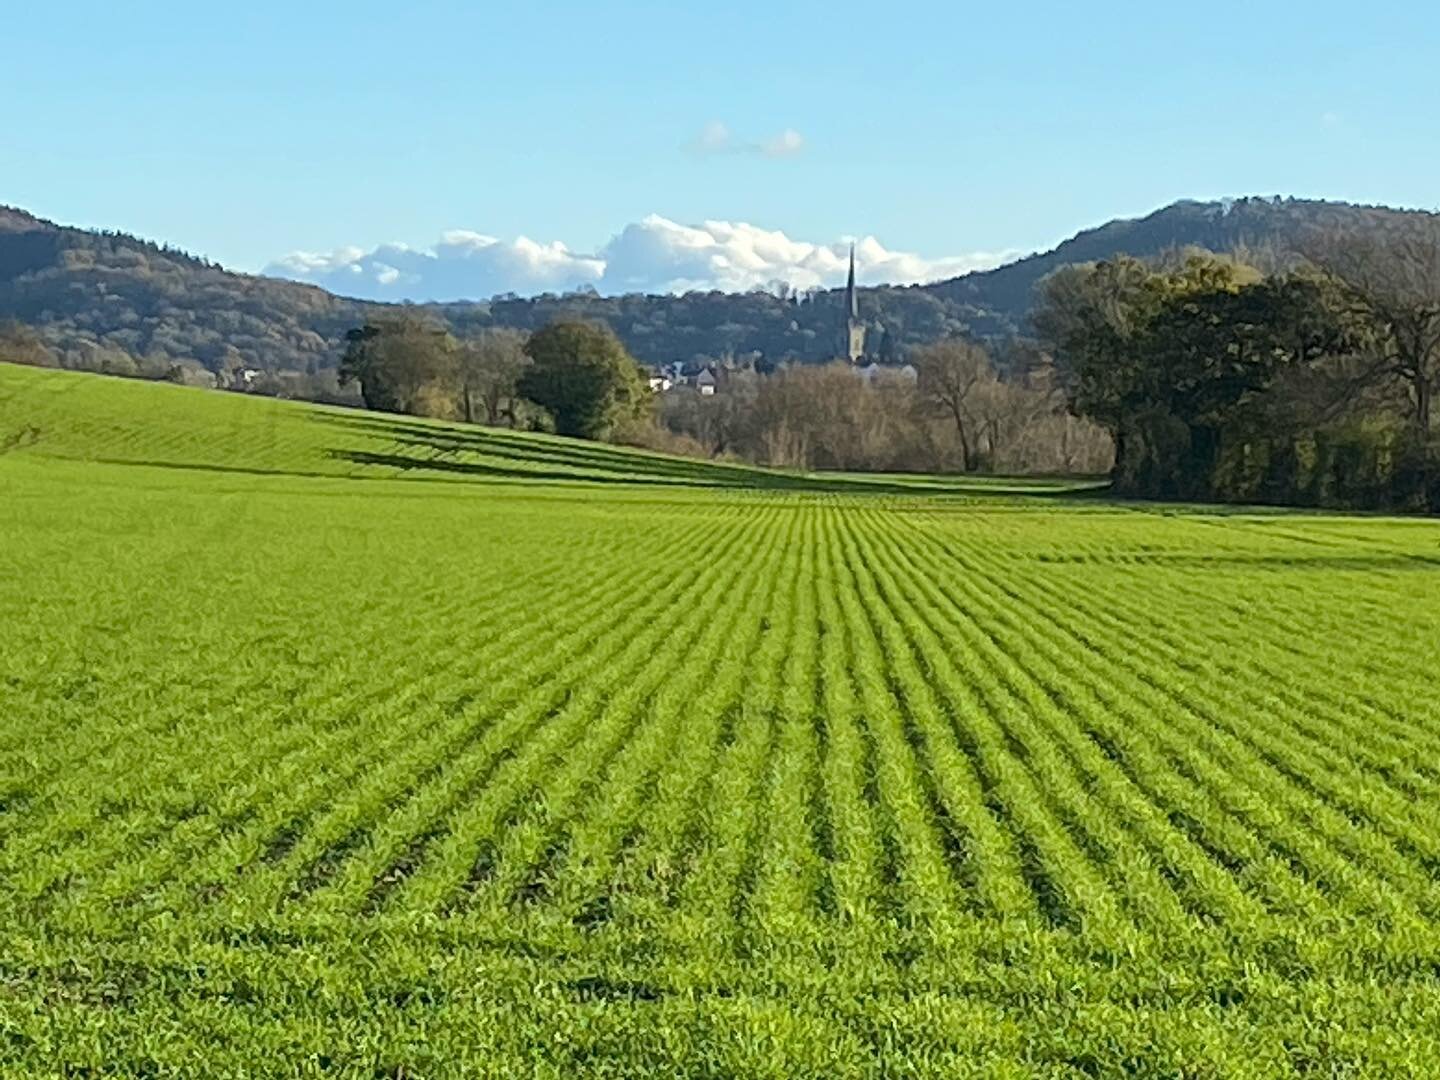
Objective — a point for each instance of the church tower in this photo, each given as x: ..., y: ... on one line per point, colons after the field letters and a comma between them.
x: 854, y: 338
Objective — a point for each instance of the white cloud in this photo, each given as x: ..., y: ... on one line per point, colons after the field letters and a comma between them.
x: 461, y: 265
x: 655, y: 255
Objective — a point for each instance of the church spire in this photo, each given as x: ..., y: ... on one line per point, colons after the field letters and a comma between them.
x: 852, y: 303
x: 852, y: 337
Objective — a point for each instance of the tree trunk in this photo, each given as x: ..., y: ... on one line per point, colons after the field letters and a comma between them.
x: 469, y: 406
x: 1203, y: 461
x: 494, y: 412
x: 964, y: 439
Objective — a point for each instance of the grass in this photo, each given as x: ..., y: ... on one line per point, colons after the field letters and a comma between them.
x: 333, y: 743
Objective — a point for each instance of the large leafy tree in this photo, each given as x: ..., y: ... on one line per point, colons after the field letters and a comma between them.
x: 1087, y: 315
x: 581, y: 374
x: 1215, y: 354
x: 398, y: 362
x: 1176, y: 360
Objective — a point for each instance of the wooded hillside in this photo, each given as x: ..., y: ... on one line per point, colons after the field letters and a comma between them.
x: 87, y: 293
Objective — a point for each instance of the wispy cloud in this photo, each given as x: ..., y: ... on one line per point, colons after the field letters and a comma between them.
x: 786, y: 144
x: 716, y: 137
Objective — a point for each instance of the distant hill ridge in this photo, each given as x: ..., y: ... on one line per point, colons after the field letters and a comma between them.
x: 86, y: 290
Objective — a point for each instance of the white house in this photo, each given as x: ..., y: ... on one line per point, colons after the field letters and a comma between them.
x: 240, y: 378
x: 706, y: 382
x: 872, y: 371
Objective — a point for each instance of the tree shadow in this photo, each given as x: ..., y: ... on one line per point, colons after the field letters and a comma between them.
x: 438, y: 449
x: 498, y: 472
x: 1390, y: 561
x: 200, y: 466
x: 597, y: 457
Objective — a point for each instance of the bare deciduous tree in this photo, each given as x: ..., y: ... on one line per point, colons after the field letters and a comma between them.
x: 829, y: 417
x: 490, y: 365
x: 1393, y: 277
x: 955, y: 375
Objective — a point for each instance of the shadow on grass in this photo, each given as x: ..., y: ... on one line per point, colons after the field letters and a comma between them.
x: 438, y: 449
x: 485, y: 471
x: 1379, y: 561
x: 232, y: 470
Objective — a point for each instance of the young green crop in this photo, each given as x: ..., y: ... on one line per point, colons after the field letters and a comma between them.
x: 341, y: 744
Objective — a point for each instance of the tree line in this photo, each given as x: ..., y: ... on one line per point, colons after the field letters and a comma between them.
x: 949, y: 410
x: 573, y: 378
x: 1310, y: 382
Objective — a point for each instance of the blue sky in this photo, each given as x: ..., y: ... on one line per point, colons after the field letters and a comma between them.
x: 942, y: 130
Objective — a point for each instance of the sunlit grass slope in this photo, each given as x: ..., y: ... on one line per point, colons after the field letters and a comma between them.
x: 338, y: 744
x: 98, y: 419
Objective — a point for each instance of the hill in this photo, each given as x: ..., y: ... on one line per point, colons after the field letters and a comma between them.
x: 91, y: 291
x: 1267, y: 228
x: 355, y: 745
x: 87, y: 292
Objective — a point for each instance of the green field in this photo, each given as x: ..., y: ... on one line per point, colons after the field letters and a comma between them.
x: 340, y: 744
